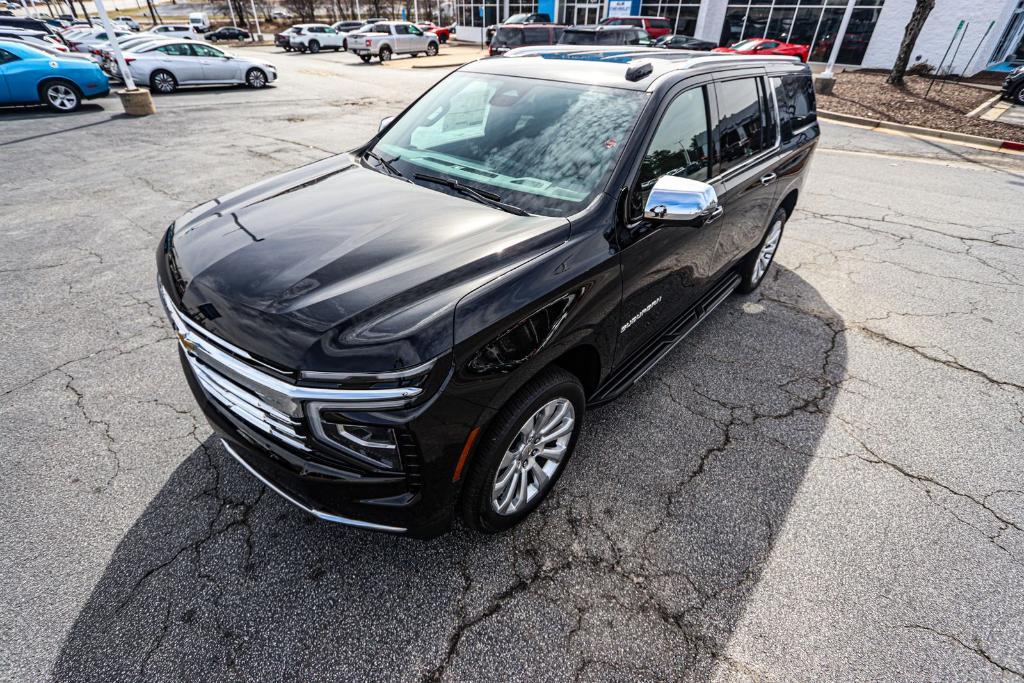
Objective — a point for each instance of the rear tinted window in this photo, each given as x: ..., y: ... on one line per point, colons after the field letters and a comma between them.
x: 660, y: 23
x: 571, y: 37
x: 536, y: 35
x: 741, y: 123
x: 507, y: 37
x: 795, y: 95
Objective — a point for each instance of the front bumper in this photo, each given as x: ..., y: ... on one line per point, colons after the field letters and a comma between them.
x: 265, y: 423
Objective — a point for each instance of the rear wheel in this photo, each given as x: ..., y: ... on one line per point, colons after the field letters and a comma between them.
x: 525, y: 452
x: 163, y: 82
x: 255, y: 78
x: 431, y: 49
x: 756, y: 264
x: 385, y: 54
x: 314, y: 46
x: 62, y: 96
x: 344, y: 45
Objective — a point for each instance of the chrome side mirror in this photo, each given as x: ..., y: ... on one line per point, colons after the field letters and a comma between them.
x: 384, y: 123
x: 683, y: 201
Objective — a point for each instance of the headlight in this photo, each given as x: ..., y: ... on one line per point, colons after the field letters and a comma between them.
x: 374, y: 445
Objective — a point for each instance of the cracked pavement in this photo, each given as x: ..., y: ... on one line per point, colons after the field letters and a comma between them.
x: 823, y: 482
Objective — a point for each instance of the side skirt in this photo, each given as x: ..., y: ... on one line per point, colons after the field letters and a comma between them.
x: 645, y: 358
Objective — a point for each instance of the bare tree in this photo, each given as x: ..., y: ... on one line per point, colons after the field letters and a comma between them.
x: 305, y: 10
x: 921, y: 11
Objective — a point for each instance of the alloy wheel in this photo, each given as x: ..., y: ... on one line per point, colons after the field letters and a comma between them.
x: 61, y: 97
x: 431, y: 50
x: 764, y: 258
x: 533, y: 457
x: 164, y: 82
x: 257, y: 79
x: 1020, y: 95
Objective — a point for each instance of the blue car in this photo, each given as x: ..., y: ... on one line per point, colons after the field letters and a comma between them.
x: 31, y: 76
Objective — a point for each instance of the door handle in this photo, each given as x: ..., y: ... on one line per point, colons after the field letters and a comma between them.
x: 769, y: 179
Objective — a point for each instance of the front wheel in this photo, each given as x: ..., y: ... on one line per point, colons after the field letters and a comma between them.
x: 526, y: 450
x: 255, y: 78
x: 1018, y: 97
x: 385, y: 54
x: 755, y: 266
x: 431, y: 49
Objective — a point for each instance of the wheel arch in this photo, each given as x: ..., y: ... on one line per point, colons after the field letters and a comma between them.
x: 583, y: 361
x: 788, y: 204
x: 43, y: 82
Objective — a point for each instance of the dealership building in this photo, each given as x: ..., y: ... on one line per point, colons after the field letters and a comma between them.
x: 974, y: 35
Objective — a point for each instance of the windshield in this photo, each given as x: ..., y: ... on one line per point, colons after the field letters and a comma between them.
x: 544, y: 146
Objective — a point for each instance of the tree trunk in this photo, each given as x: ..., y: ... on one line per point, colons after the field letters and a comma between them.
x: 921, y: 11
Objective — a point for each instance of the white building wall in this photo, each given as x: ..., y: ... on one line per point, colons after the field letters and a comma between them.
x: 938, y: 31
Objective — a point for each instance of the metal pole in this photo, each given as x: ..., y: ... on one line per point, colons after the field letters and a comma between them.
x: 231, y: 8
x: 259, y: 31
x: 839, y: 39
x: 939, y: 67
x: 975, y: 53
x: 415, y: 11
x: 115, y: 46
x: 359, y: 12
x: 952, y: 60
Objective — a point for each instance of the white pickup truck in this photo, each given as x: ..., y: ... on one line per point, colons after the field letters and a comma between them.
x: 389, y: 38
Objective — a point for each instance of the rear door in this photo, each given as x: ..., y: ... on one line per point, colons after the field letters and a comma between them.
x: 665, y: 269
x: 747, y: 160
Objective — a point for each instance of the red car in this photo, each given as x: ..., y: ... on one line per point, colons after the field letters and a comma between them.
x: 767, y: 46
x: 656, y: 27
x: 442, y: 33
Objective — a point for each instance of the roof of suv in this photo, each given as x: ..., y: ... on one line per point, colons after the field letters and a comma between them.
x: 608, y: 66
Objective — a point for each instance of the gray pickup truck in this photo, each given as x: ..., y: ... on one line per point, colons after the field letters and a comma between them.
x: 389, y: 38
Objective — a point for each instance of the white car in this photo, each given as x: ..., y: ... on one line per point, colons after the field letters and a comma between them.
x: 137, y: 41
x: 175, y: 31
x: 167, y: 65
x: 389, y: 38
x: 314, y: 37
x: 90, y: 42
x: 37, y: 39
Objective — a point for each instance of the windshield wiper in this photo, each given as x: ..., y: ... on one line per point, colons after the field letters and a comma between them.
x: 482, y: 196
x: 388, y: 166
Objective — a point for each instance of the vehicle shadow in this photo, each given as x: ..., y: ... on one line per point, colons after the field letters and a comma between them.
x: 639, y: 566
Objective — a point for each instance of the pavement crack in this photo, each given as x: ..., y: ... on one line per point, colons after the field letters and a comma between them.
x: 977, y: 648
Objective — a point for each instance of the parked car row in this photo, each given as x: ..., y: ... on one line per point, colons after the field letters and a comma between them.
x: 378, y: 38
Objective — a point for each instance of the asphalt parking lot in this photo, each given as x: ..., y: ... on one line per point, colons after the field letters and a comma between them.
x: 823, y: 482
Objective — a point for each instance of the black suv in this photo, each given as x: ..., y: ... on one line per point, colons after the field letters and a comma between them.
x: 604, y: 35
x: 412, y: 331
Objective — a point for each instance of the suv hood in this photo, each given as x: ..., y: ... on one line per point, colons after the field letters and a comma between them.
x: 335, y: 267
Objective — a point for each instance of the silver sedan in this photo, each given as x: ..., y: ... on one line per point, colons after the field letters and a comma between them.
x: 167, y: 65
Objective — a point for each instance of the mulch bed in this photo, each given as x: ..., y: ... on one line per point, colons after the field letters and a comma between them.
x: 868, y: 95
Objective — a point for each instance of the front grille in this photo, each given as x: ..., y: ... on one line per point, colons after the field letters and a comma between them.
x: 247, y: 406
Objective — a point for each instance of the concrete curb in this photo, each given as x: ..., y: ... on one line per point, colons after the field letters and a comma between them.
x: 993, y: 144
x: 985, y: 106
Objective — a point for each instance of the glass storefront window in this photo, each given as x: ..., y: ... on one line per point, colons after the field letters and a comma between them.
x: 681, y: 15
x: 807, y: 22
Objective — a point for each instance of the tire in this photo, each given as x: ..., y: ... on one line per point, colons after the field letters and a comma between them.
x: 163, y: 82
x: 384, y: 54
x: 287, y: 48
x: 344, y: 45
x: 1018, y: 96
x: 759, y: 261
x: 256, y: 78
x: 336, y: 49
x: 314, y: 46
x: 511, y: 455
x: 443, y: 39
x: 301, y: 48
x: 431, y: 49
x: 61, y: 96
x: 366, y: 58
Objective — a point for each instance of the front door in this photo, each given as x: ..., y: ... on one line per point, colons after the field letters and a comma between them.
x: 666, y: 268
x: 747, y: 135
x: 217, y: 68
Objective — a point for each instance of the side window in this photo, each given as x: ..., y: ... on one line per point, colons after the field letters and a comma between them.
x: 380, y: 28
x: 741, y: 123
x: 797, y: 109
x: 634, y: 22
x: 401, y: 29
x: 7, y: 57
x: 175, y: 50
x: 679, y: 146
x: 660, y: 23
x: 207, y: 51
x: 415, y: 31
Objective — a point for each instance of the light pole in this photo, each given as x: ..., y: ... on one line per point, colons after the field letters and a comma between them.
x: 255, y: 17
x: 824, y: 83
x: 136, y: 102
